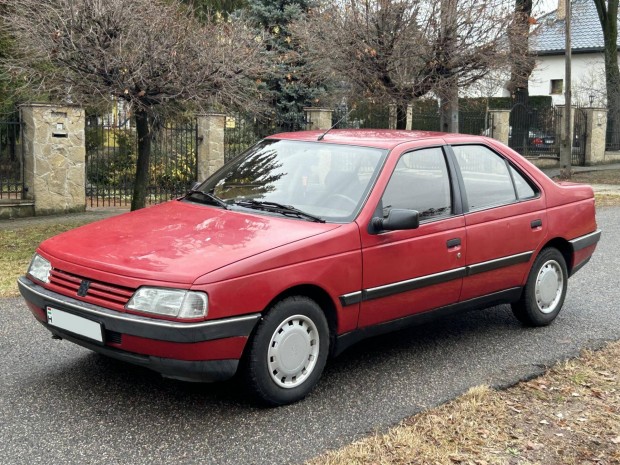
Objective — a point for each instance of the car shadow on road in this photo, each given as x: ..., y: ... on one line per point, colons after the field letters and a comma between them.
x: 405, y: 355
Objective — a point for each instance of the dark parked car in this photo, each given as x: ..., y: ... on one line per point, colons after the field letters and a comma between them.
x: 307, y: 243
x: 541, y: 141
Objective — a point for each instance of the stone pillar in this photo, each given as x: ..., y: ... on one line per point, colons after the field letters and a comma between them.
x: 500, y: 129
x: 319, y: 118
x: 210, y: 151
x: 54, y: 157
x: 596, y: 131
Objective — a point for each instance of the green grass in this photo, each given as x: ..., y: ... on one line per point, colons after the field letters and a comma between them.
x: 16, y: 248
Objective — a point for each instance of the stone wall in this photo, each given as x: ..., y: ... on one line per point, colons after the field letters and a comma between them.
x: 54, y: 158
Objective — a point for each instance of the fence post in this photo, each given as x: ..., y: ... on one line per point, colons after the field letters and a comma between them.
x: 210, y: 150
x: 501, y: 125
x: 54, y: 157
x: 318, y: 118
x: 596, y: 131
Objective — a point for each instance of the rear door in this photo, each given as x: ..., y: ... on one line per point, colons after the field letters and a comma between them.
x: 505, y: 219
x: 411, y: 271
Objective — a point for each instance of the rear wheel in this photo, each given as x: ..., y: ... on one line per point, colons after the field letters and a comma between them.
x: 287, y: 354
x: 545, y: 290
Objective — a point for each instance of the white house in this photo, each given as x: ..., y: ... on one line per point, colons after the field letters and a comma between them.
x: 587, y: 45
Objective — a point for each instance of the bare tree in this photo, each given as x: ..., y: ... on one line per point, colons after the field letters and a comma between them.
x: 153, y: 54
x: 395, y: 50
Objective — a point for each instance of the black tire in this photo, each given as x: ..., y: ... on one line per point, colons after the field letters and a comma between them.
x: 297, y: 326
x: 545, y: 290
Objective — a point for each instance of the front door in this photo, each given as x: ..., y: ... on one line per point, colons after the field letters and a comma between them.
x: 411, y: 271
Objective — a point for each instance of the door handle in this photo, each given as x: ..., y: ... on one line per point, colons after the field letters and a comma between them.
x: 536, y: 224
x: 453, y: 242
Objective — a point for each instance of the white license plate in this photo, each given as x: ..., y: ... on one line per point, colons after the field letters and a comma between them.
x: 74, y: 324
x: 548, y: 141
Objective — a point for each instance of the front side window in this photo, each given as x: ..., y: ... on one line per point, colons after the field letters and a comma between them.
x: 420, y: 182
x: 329, y: 181
x: 487, y: 177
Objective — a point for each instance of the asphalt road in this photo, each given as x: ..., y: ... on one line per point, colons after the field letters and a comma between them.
x: 60, y: 403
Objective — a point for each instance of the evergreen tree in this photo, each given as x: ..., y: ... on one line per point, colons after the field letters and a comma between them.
x: 288, y: 86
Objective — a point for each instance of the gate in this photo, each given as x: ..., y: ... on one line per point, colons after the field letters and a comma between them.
x: 580, y: 134
x: 111, y: 155
x: 535, y: 132
x: 11, y: 160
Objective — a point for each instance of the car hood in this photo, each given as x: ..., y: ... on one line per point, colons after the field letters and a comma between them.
x: 176, y: 241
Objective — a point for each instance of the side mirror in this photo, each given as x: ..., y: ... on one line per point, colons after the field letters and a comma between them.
x: 397, y: 219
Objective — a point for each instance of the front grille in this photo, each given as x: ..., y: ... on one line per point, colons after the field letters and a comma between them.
x: 98, y: 293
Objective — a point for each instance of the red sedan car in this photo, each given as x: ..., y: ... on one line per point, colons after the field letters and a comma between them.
x: 307, y: 243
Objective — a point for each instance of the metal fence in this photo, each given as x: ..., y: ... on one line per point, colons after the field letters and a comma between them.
x: 244, y: 130
x: 11, y: 160
x: 111, y: 154
x: 361, y: 116
x: 612, y: 139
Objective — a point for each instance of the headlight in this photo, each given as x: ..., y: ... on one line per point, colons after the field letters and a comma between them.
x: 40, y: 268
x: 177, y: 303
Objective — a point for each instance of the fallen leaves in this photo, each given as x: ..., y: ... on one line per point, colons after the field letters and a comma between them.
x: 570, y: 415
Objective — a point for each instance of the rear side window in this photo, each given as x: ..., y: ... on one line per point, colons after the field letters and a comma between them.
x: 420, y: 182
x: 487, y: 177
x: 524, y: 190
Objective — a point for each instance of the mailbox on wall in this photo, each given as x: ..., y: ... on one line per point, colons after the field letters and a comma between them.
x: 60, y: 130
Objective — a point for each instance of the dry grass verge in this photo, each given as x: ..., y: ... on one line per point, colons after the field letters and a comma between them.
x: 17, y: 246
x: 570, y: 415
x: 597, y: 177
x: 607, y: 200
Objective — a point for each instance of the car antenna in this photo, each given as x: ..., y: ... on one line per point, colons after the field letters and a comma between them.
x: 336, y: 124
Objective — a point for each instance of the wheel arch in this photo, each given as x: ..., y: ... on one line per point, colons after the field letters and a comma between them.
x: 564, y: 248
x: 321, y: 297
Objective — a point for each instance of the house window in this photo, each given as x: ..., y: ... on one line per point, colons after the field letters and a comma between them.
x: 557, y: 86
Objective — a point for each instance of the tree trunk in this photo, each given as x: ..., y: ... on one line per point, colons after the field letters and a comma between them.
x: 144, y: 129
x: 401, y: 116
x: 448, y: 87
x: 612, y: 74
x: 608, y: 16
x: 520, y: 71
x: 449, y: 107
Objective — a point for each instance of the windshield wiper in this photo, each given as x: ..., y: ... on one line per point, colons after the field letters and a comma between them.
x: 213, y: 199
x: 278, y: 208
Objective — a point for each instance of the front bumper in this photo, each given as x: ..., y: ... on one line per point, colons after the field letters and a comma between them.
x: 203, y: 351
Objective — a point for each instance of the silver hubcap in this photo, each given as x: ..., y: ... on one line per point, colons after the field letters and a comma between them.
x: 293, y: 351
x: 549, y: 285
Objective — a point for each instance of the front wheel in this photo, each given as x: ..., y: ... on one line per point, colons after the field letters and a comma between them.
x: 545, y: 290
x: 287, y: 354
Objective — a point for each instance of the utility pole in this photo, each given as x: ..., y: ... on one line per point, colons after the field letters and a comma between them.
x: 566, y: 148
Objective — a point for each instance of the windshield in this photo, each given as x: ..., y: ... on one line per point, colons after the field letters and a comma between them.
x: 328, y: 181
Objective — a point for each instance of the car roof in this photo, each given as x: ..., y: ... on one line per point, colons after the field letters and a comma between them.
x: 381, y: 138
